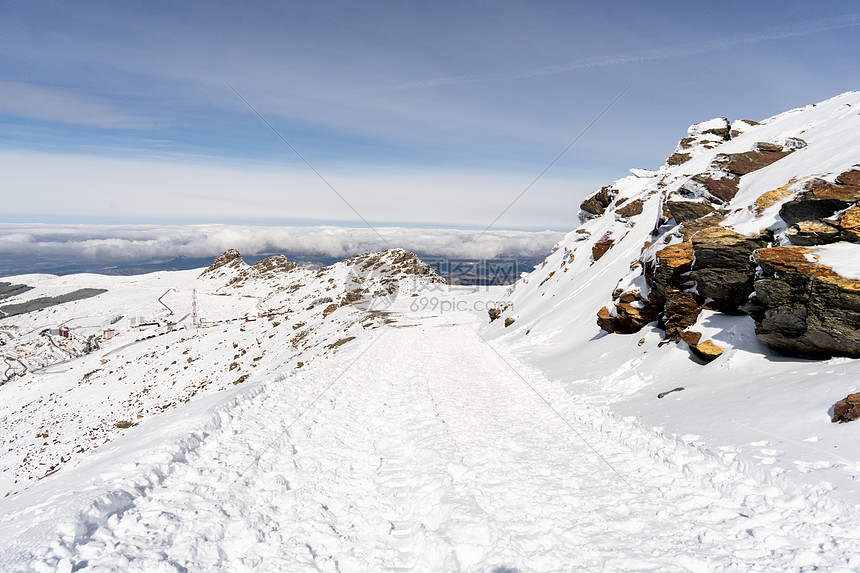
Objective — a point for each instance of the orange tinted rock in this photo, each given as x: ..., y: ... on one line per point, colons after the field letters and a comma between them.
x: 802, y: 307
x: 631, y: 209
x: 849, y: 223
x: 847, y: 409
x: 632, y: 313
x: 815, y: 232
x: 665, y: 273
x: 770, y: 198
x: 707, y: 350
x: 820, y: 199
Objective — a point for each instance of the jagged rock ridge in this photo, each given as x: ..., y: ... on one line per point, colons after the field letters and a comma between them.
x: 730, y: 193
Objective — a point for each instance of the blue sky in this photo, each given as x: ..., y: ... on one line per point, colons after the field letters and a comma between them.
x: 430, y: 114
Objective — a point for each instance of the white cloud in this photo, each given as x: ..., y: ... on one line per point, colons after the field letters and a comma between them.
x: 44, y: 186
x: 147, y: 242
x: 54, y: 104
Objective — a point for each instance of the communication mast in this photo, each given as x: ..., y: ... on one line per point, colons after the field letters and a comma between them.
x: 195, y: 322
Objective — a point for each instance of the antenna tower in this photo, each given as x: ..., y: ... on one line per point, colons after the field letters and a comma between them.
x: 195, y: 322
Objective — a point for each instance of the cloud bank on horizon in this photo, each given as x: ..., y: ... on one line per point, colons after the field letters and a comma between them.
x: 149, y: 242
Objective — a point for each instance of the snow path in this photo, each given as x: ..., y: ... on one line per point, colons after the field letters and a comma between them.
x: 429, y: 453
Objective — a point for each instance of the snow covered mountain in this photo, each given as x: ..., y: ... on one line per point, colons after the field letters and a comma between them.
x: 257, y: 319
x: 656, y: 395
x: 729, y: 277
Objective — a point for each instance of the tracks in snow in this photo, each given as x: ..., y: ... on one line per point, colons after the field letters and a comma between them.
x: 431, y: 454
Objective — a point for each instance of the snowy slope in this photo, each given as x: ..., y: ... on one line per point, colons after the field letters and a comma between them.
x: 80, y: 401
x: 373, y: 419
x: 763, y: 412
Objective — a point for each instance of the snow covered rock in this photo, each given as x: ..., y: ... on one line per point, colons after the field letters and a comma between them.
x: 227, y: 263
x: 761, y: 156
x: 722, y: 267
x: 802, y: 306
x: 701, y: 137
x: 820, y: 199
x: 596, y: 203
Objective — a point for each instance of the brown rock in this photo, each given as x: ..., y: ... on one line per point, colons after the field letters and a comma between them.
x: 707, y: 350
x: 722, y: 187
x: 749, y: 161
x: 678, y: 158
x: 847, y: 409
x: 329, y: 309
x: 691, y: 337
x: 494, y: 313
x: 820, y: 199
x: 690, y: 228
x: 770, y: 198
x: 600, y: 247
x: 684, y: 211
x: 681, y: 311
x: 666, y: 274
x: 722, y: 268
x: 802, y: 307
x: 632, y: 313
x: 849, y: 178
x: 596, y: 203
x: 815, y: 232
x: 849, y: 223
x: 630, y: 209
x: 509, y: 321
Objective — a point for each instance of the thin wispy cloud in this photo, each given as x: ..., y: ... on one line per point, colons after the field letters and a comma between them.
x: 110, y: 243
x: 775, y: 33
x: 57, y: 105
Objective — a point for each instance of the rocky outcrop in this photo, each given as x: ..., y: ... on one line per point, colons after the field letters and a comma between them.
x: 742, y: 163
x: 596, y: 203
x: 226, y: 260
x: 716, y: 186
x: 815, y: 232
x: 630, y: 209
x: 667, y: 273
x: 686, y: 211
x: 722, y: 268
x: 680, y: 312
x: 820, y: 199
x: 849, y: 224
x: 701, y: 136
x: 273, y: 265
x: 847, y: 409
x: 632, y: 313
x: 801, y: 307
